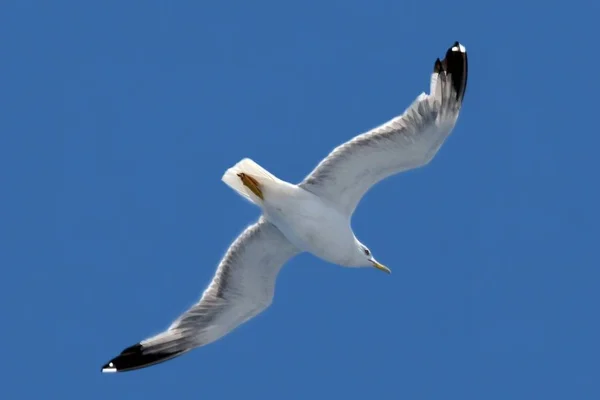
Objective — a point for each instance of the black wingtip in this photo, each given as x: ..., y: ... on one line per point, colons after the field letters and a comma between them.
x: 133, y: 358
x: 456, y: 65
x: 437, y: 67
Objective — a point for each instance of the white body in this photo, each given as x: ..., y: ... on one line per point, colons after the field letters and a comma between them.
x: 310, y: 223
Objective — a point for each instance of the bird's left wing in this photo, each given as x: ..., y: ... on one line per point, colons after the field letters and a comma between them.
x: 408, y: 141
x: 242, y: 287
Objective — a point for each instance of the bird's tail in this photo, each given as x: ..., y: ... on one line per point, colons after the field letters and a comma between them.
x: 249, y: 180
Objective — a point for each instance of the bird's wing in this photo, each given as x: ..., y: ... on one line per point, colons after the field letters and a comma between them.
x: 242, y: 287
x: 408, y: 141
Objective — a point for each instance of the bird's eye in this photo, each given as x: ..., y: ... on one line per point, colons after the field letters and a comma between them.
x: 367, y: 252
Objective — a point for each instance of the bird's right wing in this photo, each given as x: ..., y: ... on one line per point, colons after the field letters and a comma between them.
x: 242, y: 287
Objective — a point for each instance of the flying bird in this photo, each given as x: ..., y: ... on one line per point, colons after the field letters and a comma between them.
x: 313, y: 216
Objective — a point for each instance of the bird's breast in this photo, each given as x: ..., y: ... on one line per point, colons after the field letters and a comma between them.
x: 312, y: 226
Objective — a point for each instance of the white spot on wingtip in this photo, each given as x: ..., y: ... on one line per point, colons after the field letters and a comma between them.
x: 111, y: 368
x: 460, y: 48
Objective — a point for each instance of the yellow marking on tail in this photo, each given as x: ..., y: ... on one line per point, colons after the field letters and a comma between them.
x: 251, y: 184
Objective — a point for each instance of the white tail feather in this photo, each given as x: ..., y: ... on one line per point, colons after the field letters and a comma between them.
x: 252, y: 169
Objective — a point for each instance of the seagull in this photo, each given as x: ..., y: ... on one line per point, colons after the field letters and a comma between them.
x: 313, y: 216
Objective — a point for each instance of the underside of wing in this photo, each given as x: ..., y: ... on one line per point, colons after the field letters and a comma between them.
x: 242, y: 287
x: 408, y: 141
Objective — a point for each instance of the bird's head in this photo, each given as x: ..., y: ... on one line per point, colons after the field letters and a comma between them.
x: 365, y: 258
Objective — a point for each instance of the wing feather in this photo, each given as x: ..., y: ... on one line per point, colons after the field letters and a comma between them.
x: 243, y: 286
x: 408, y: 141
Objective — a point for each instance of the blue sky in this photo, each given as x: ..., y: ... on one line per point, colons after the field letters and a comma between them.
x: 119, y: 118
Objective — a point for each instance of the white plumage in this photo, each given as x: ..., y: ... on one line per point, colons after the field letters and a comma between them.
x: 313, y: 216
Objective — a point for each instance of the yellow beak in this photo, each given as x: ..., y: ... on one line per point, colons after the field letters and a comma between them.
x: 381, y: 267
